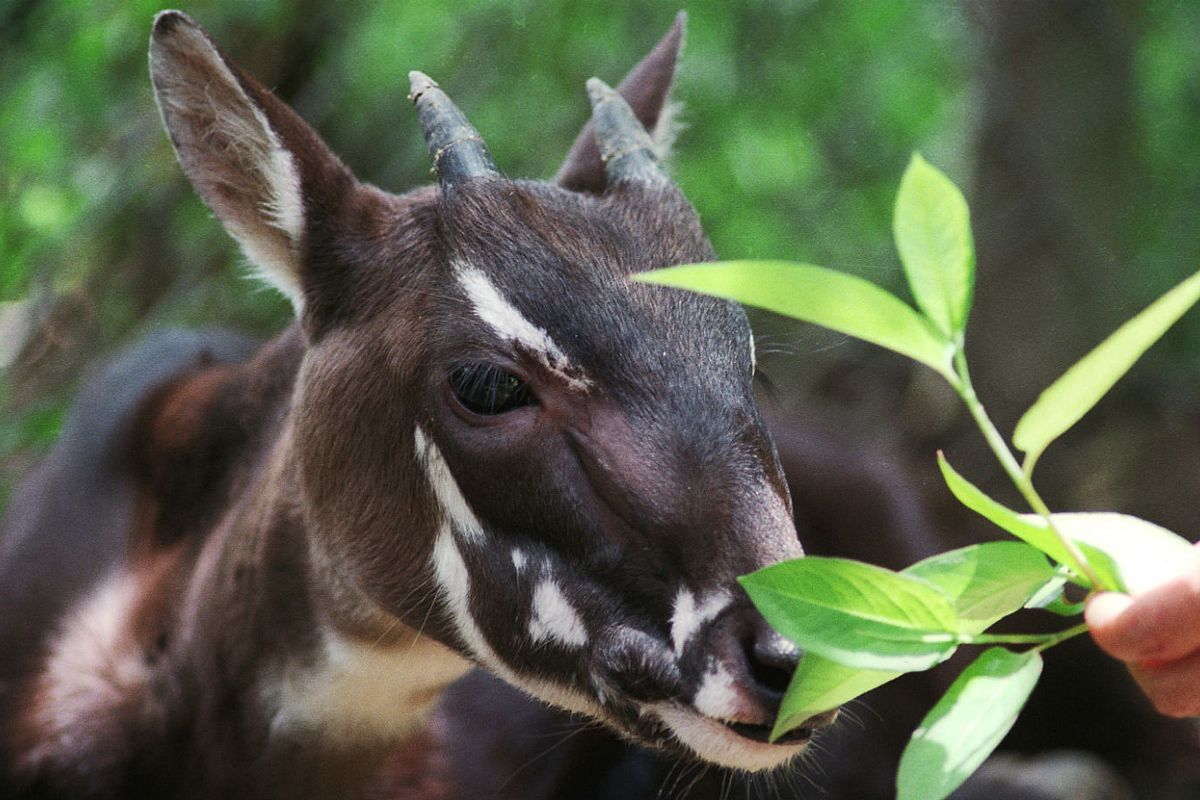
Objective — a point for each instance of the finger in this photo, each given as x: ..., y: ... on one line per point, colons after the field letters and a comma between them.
x: 1174, y: 688
x: 1158, y: 626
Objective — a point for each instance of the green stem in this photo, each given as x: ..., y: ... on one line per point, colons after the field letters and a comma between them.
x: 1042, y: 640
x: 1008, y: 462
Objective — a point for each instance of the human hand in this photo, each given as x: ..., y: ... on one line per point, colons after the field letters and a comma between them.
x: 1157, y: 634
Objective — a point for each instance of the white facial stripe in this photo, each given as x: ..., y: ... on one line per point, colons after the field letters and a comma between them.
x: 713, y: 742
x: 519, y: 559
x: 753, y: 355
x: 449, y: 496
x: 554, y: 617
x: 507, y: 322
x: 451, y: 575
x: 688, y: 617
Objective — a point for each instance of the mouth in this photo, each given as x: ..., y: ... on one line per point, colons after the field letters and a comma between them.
x: 737, y: 745
x: 762, y: 734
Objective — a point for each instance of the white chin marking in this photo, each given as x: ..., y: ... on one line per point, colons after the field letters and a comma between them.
x: 715, y: 743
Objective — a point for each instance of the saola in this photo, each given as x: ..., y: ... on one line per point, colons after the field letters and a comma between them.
x: 480, y: 443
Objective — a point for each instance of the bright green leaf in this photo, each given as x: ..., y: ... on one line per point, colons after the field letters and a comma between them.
x: 1030, y: 528
x: 835, y: 300
x: 1144, y: 553
x: 985, y: 582
x: 1066, y: 400
x: 967, y: 724
x: 820, y: 685
x: 932, y: 226
x: 856, y: 614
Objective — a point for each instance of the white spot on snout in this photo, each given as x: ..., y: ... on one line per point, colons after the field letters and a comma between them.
x: 554, y: 617
x: 689, y: 617
x: 717, y: 696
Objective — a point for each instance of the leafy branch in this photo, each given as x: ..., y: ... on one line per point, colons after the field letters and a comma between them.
x: 861, y: 625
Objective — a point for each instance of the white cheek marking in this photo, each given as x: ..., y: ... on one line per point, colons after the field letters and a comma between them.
x: 450, y: 573
x: 688, y: 617
x: 358, y: 692
x: 519, y: 559
x: 449, y: 496
x: 713, y: 742
x: 555, y: 618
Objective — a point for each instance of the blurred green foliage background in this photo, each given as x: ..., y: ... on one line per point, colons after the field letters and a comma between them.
x: 800, y: 116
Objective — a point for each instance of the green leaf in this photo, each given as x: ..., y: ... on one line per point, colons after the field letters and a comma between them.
x: 856, y: 614
x: 985, y: 582
x: 967, y: 724
x: 834, y: 300
x: 820, y: 685
x: 1144, y: 553
x: 932, y: 226
x: 1029, y: 528
x: 1066, y: 400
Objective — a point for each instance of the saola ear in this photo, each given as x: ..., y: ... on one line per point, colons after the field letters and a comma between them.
x: 646, y: 88
x: 257, y: 165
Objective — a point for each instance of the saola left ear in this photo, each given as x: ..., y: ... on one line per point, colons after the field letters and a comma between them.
x: 260, y: 168
x: 646, y: 88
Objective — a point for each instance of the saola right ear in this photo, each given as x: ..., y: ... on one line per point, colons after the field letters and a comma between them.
x: 259, y: 167
x: 647, y: 89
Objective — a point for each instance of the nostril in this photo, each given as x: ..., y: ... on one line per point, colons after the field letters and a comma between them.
x: 772, y: 660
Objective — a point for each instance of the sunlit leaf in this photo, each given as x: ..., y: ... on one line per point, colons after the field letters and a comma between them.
x: 932, y: 226
x: 1145, y: 554
x: 967, y: 724
x: 835, y: 300
x: 1066, y: 400
x: 985, y: 582
x: 1030, y: 528
x: 856, y: 614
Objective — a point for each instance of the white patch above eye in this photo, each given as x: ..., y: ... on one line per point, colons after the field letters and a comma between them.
x: 503, y: 318
x: 449, y: 496
x: 554, y: 617
x: 689, y: 617
x: 511, y: 325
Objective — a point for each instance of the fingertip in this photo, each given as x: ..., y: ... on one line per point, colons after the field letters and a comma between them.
x: 1103, y: 609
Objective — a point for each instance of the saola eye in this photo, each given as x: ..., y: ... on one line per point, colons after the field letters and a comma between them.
x: 487, y: 389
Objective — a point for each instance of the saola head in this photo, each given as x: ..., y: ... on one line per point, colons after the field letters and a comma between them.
x: 500, y: 439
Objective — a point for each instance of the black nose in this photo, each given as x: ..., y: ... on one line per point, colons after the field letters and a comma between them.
x: 772, y: 658
x: 759, y: 661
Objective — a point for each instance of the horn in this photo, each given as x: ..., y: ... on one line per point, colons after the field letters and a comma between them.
x: 457, y: 149
x: 625, y: 147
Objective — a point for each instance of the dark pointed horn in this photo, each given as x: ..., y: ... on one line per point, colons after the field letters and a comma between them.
x: 457, y: 150
x: 625, y: 147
